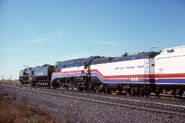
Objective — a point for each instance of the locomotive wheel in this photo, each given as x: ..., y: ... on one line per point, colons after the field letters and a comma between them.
x: 129, y: 91
x: 80, y: 89
x: 133, y: 91
x: 104, y: 89
x: 180, y: 92
x: 108, y: 91
x: 33, y: 83
x: 177, y: 92
x: 147, y: 92
x: 54, y: 86
x: 138, y: 92
x: 157, y: 92
x: 97, y: 90
x: 88, y: 87
x: 120, y: 89
x: 174, y: 92
x: 48, y: 84
x: 142, y: 92
x: 119, y: 92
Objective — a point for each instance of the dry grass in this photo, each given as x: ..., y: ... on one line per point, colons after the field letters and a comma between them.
x: 10, y: 81
x: 12, y: 111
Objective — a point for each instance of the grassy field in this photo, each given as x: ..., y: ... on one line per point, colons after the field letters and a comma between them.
x: 13, y: 111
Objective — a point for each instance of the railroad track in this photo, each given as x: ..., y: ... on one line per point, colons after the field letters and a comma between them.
x: 105, y: 99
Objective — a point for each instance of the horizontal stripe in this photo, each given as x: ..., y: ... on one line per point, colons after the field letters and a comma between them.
x: 170, y: 81
x: 66, y: 72
x: 124, y: 80
x: 141, y: 79
x: 170, y: 75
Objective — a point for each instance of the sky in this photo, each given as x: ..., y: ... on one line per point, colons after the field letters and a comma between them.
x: 37, y: 32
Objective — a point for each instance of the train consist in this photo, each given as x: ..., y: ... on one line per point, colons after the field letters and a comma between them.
x: 139, y: 74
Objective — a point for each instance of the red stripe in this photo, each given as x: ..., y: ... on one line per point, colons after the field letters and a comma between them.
x: 170, y: 75
x: 122, y: 76
x: 173, y: 75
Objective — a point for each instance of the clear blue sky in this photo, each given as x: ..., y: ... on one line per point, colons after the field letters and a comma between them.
x: 35, y: 32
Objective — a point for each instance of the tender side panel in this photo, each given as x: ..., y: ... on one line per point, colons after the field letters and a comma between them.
x: 132, y: 71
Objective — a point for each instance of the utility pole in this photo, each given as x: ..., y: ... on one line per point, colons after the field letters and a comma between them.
x: 10, y: 77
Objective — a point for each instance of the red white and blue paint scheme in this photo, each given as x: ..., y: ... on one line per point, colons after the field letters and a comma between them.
x: 131, y: 69
x: 167, y: 67
x: 144, y: 72
x: 124, y: 71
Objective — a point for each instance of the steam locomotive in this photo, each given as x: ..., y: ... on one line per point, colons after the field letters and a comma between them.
x: 139, y: 74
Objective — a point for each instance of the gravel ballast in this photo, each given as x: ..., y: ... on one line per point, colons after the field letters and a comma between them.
x: 75, y: 110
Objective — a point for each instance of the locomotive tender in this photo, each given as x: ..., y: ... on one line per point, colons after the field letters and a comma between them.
x: 42, y: 74
x: 138, y: 74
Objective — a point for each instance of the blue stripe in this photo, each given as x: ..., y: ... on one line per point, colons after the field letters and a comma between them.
x: 118, y: 80
x: 170, y: 81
